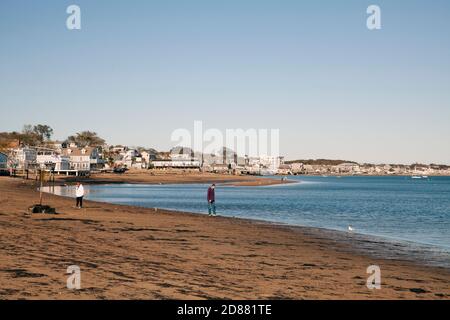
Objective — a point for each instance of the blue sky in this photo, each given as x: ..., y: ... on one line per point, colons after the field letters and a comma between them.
x: 137, y: 70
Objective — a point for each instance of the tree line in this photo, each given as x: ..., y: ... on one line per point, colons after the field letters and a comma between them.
x: 41, y: 135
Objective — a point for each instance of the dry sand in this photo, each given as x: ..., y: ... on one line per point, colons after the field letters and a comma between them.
x: 135, y: 253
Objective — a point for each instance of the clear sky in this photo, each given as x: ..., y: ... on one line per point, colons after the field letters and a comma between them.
x: 137, y: 70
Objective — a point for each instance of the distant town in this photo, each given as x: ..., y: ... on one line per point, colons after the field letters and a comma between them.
x: 86, y: 153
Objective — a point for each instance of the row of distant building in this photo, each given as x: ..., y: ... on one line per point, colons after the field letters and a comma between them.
x: 70, y: 159
x: 351, y: 168
x: 67, y: 160
x: 184, y: 158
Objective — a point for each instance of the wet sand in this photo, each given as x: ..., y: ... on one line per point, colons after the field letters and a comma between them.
x: 127, y: 252
x: 163, y: 177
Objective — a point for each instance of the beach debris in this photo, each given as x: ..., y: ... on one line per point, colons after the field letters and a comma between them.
x: 39, y: 208
x: 418, y: 290
x: 350, y: 229
x: 119, y: 170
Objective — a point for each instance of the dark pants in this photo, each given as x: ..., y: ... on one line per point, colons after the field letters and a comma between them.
x: 80, y: 202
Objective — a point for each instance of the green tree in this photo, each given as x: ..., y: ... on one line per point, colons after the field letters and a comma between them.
x: 45, y: 132
x: 29, y: 137
x: 86, y: 139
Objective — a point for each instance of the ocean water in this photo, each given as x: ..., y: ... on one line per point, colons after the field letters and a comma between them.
x: 393, y: 208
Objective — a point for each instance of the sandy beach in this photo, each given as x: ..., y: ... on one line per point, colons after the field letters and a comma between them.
x: 166, y: 177
x: 128, y: 252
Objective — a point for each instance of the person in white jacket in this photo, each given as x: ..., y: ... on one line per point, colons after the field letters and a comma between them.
x: 79, y: 194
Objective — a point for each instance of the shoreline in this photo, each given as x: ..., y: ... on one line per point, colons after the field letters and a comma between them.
x: 138, y: 177
x: 232, y: 181
x: 404, y: 249
x: 227, y: 257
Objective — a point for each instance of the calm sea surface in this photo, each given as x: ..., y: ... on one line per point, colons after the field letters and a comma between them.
x: 394, y: 208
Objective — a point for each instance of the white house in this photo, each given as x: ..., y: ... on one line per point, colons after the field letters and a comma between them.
x: 83, y: 159
x: 24, y: 157
x: 51, y: 159
x: 180, y: 156
x: 147, y: 157
x: 348, y: 167
x: 129, y: 158
x: 136, y: 163
x: 176, y: 164
x: 220, y: 168
x: 267, y: 162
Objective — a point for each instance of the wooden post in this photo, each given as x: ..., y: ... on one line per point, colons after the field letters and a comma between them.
x: 42, y: 184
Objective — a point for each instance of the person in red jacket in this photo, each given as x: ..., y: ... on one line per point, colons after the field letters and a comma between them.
x: 212, y: 200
